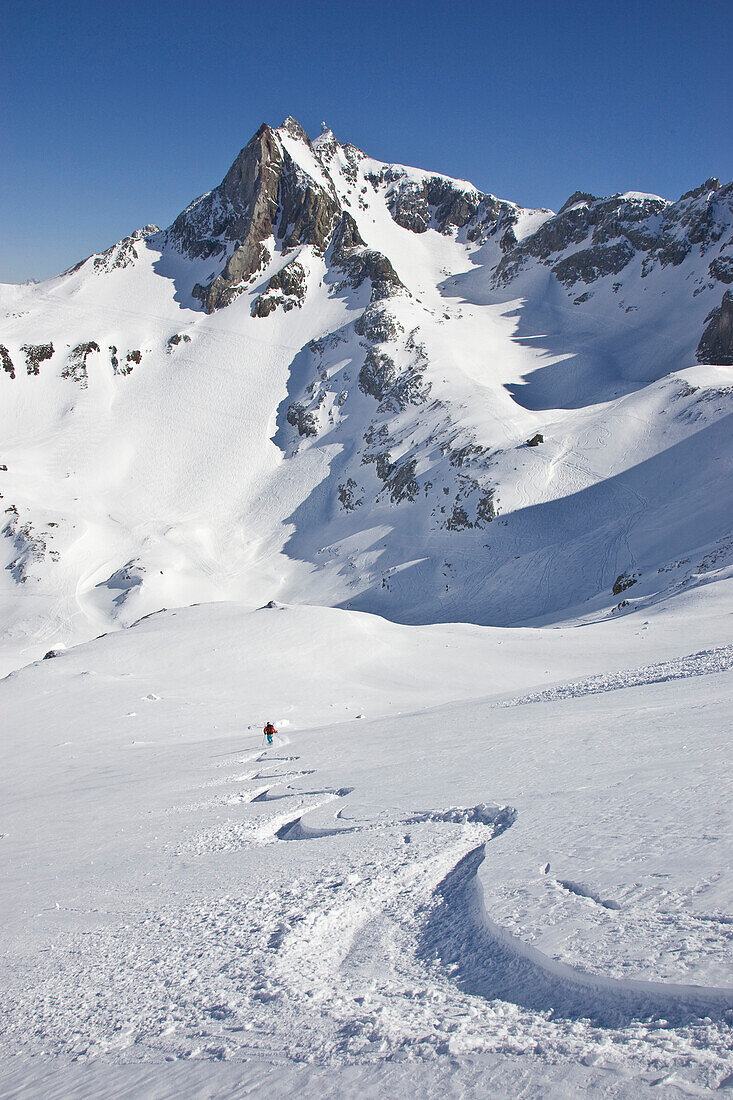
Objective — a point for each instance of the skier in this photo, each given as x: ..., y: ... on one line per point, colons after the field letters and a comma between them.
x: 269, y: 732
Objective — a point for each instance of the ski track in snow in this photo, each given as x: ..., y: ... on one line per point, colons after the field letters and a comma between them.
x: 386, y: 954
x: 704, y: 663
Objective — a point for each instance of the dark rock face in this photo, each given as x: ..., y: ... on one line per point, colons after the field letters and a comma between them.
x: 299, y: 417
x: 575, y: 198
x: 286, y: 289
x: 721, y: 268
x: 346, y: 238
x: 376, y: 267
x: 347, y: 495
x: 629, y: 222
x: 415, y: 204
x: 76, y: 368
x: 360, y: 263
x: 35, y: 354
x: 293, y: 127
x: 713, y: 184
x: 6, y: 361
x: 401, y: 482
x: 463, y: 456
x: 378, y: 325
x: 409, y: 389
x: 309, y: 214
x: 591, y: 263
x: 536, y: 440
x: 176, y: 339
x: 263, y: 194
x: 377, y: 375
x: 494, y: 218
x: 238, y: 215
x: 716, y: 343
x: 622, y: 582
x: 458, y: 519
x: 486, y: 507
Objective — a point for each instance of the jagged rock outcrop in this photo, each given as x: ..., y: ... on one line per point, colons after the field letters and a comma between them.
x: 285, y: 289
x: 346, y: 239
x: 303, y: 419
x: 377, y: 375
x: 432, y: 201
x: 234, y: 219
x: 591, y: 263
x: 125, y: 252
x: 263, y: 195
x: 377, y: 324
x: 76, y: 367
x: 119, y: 255
x: 716, y: 343
x: 360, y: 263
x: 575, y: 198
x: 624, y: 581
x: 597, y: 222
x: 721, y: 268
x: 613, y: 230
x: 347, y: 495
x: 35, y: 354
x: 177, y: 339
x: 6, y: 361
x: 401, y: 483
x: 308, y: 213
x: 494, y: 218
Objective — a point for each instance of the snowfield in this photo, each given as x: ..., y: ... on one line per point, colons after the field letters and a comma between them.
x: 442, y: 487
x: 461, y: 866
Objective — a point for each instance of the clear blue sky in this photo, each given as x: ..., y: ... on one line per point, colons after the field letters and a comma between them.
x: 117, y: 114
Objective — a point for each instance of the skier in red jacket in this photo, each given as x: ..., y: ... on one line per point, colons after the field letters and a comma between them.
x: 269, y: 732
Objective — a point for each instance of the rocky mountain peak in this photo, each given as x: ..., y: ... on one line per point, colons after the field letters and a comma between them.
x: 575, y: 198
x: 712, y: 184
x: 264, y: 195
x: 292, y: 127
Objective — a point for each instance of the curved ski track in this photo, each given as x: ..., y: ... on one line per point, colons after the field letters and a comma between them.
x: 373, y: 946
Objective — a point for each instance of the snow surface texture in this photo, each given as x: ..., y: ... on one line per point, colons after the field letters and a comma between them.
x: 348, y: 423
x: 489, y: 852
x: 434, y: 873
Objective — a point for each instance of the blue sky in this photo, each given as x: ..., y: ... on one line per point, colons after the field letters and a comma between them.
x: 113, y: 115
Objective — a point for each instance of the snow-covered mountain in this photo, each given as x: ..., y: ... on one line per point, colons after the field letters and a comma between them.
x: 342, y: 382
x: 478, y: 860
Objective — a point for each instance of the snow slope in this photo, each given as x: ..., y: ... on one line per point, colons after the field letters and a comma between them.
x: 442, y: 487
x: 317, y: 385
x: 492, y: 860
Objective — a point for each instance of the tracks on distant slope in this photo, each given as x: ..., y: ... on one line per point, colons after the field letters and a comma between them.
x: 706, y: 662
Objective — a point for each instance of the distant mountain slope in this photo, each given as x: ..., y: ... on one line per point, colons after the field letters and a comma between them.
x: 320, y: 382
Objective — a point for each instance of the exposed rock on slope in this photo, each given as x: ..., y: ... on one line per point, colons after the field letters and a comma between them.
x: 264, y: 194
x: 716, y: 343
x: 286, y: 289
x: 359, y: 419
x: 360, y: 263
